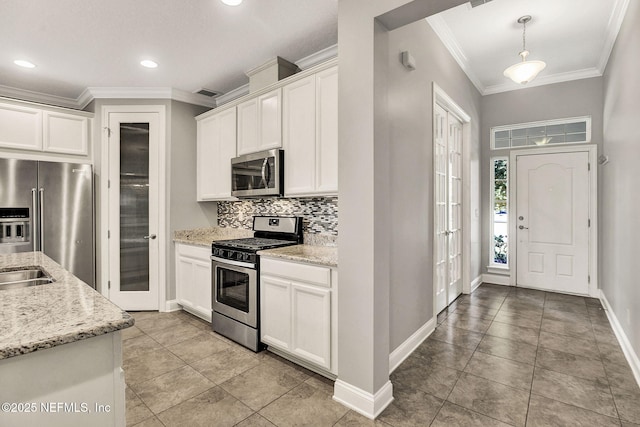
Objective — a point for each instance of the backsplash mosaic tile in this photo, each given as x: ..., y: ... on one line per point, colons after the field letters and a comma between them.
x: 320, y: 214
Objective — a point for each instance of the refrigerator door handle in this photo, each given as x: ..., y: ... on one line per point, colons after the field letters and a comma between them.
x: 41, y: 219
x: 35, y: 220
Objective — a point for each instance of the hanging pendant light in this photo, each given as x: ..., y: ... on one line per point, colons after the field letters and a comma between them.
x: 525, y: 71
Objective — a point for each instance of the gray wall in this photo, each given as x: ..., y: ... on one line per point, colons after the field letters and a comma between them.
x: 183, y: 210
x: 561, y: 100
x: 619, y: 218
x: 410, y: 112
x: 364, y: 174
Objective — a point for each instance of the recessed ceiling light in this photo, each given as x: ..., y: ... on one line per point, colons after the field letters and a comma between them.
x: 232, y: 2
x: 149, y: 63
x: 25, y: 64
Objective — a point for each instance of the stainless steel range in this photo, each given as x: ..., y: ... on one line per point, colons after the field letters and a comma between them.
x: 235, y: 277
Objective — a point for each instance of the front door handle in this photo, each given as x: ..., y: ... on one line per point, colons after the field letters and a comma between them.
x: 522, y: 227
x: 151, y: 236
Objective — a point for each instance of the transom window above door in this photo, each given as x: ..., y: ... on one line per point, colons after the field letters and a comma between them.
x: 551, y: 132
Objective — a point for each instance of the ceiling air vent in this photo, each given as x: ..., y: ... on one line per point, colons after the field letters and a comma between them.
x: 475, y: 3
x: 208, y: 92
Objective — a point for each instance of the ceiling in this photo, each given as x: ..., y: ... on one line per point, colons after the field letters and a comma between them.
x: 80, y: 44
x: 92, y: 48
x: 574, y: 38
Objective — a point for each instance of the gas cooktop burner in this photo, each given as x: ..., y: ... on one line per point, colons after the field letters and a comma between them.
x: 253, y: 243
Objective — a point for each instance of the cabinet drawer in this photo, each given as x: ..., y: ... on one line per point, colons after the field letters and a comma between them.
x: 197, y: 252
x: 295, y: 271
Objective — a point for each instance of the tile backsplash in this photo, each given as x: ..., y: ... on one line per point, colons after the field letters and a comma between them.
x: 319, y: 214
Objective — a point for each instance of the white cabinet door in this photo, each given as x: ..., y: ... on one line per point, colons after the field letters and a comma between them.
x: 216, y: 147
x: 327, y: 131
x: 248, y: 127
x: 260, y: 123
x: 202, y: 287
x: 310, y: 134
x: 311, y: 324
x: 66, y: 133
x: 20, y: 127
x: 299, y: 136
x: 193, y: 280
x: 270, y: 120
x: 275, y: 312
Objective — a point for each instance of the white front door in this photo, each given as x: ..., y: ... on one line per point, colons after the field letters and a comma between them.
x: 134, y: 144
x: 552, y: 221
x: 448, y: 207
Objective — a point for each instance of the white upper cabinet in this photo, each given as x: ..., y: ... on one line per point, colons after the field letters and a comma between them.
x: 36, y: 129
x: 327, y: 131
x: 299, y: 136
x: 20, y: 127
x: 216, y: 147
x: 66, y: 133
x: 310, y: 134
x: 260, y: 123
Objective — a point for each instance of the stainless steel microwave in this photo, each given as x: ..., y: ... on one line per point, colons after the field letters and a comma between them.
x: 258, y: 174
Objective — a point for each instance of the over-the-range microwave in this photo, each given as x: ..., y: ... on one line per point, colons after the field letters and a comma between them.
x: 258, y: 174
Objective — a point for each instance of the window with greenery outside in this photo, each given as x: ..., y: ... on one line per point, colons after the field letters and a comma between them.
x: 500, y: 226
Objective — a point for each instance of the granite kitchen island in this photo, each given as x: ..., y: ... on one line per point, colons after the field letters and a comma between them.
x: 60, y: 351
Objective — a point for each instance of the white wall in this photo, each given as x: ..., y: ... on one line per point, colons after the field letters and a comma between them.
x: 620, y: 213
x: 561, y: 100
x: 410, y: 112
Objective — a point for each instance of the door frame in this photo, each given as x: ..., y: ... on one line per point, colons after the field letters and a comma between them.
x: 162, y: 199
x: 592, y: 151
x: 441, y: 98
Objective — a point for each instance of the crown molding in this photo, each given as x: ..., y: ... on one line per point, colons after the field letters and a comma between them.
x: 150, y: 93
x: 443, y: 31
x: 318, y: 57
x: 91, y: 93
x: 232, y: 94
x: 545, y: 80
x: 613, y: 27
x: 38, y: 97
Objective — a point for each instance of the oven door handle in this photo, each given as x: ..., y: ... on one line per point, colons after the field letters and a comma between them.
x: 231, y: 262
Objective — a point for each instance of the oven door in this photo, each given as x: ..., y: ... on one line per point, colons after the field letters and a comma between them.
x: 235, y: 290
x: 257, y: 174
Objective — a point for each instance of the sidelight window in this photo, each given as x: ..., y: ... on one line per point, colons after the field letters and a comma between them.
x: 499, y: 212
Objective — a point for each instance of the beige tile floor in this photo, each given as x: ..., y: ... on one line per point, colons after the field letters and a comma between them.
x: 501, y: 356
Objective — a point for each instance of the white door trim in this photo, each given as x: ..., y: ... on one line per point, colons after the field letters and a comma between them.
x: 441, y: 98
x: 162, y: 200
x: 592, y: 151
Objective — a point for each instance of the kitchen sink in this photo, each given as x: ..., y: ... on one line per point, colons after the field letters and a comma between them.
x: 23, y: 278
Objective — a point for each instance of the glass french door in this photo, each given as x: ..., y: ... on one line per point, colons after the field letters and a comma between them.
x: 133, y: 210
x: 448, y: 207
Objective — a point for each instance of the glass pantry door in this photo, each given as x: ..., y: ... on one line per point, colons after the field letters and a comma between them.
x: 134, y: 206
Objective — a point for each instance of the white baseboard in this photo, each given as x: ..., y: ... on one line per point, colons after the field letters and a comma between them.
x: 476, y: 282
x: 496, y: 279
x: 364, y: 403
x: 403, y: 351
x: 627, y: 348
x: 172, y: 305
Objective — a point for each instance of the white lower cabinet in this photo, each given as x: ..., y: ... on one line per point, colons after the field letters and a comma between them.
x: 193, y: 280
x: 298, y: 304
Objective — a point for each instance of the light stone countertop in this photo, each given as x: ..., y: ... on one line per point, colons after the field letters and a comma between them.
x: 323, y: 255
x: 45, y: 316
x: 205, y: 236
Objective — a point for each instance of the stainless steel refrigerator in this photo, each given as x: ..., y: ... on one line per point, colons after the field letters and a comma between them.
x: 48, y: 207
